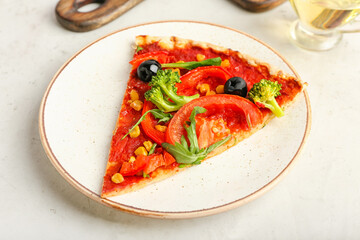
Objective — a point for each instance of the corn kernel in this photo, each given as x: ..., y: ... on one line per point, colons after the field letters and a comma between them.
x: 132, y: 159
x: 117, y: 178
x: 137, y: 105
x: 141, y: 151
x: 134, y: 95
x: 181, y: 61
x: 203, y: 88
x: 161, y: 128
x: 148, y: 145
x: 219, y: 89
x: 215, y: 129
x: 225, y: 63
x: 210, y: 93
x: 135, y: 132
x: 200, y: 57
x: 176, y: 70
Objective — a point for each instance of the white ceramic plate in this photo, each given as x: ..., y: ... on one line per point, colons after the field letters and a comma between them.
x: 81, y: 105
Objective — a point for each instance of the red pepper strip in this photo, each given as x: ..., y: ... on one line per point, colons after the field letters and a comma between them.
x: 212, y: 75
x: 168, y: 158
x: 160, y: 56
x: 154, y: 161
x: 158, y: 160
x: 132, y: 168
x: 146, y: 163
x: 149, y: 123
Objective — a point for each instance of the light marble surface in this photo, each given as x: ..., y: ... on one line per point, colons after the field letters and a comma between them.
x: 318, y: 199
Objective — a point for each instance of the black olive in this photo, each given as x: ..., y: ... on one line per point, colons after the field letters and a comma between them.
x: 236, y: 86
x: 148, y: 69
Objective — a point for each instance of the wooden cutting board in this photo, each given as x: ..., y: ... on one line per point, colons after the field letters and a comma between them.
x: 258, y: 5
x: 68, y: 14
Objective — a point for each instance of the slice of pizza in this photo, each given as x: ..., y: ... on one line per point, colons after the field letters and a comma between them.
x: 187, y: 101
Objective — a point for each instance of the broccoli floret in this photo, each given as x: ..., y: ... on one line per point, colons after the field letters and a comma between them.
x: 163, y: 88
x: 156, y: 96
x: 264, y: 93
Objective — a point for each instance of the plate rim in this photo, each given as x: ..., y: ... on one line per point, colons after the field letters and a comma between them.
x: 167, y: 214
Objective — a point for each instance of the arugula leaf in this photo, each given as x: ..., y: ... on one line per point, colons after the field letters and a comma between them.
x: 157, y: 113
x: 152, y: 149
x: 138, y: 48
x: 191, y: 130
x: 183, y: 142
x: 217, y: 144
x: 190, y: 155
x: 181, y: 154
x: 193, y: 65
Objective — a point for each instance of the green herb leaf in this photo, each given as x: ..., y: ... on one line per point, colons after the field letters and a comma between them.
x: 138, y: 48
x: 185, y: 154
x: 163, y: 117
x: 181, y: 154
x: 217, y: 144
x: 184, y: 142
x: 193, y: 65
x: 191, y: 130
x: 152, y: 149
x: 157, y: 113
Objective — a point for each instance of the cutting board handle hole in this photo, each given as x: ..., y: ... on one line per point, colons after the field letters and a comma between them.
x: 86, y: 15
x: 88, y: 6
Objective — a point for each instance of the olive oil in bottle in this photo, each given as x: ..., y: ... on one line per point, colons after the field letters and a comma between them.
x: 326, y: 14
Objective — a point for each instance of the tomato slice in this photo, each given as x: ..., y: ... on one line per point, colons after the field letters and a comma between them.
x: 237, y: 114
x: 146, y: 163
x: 154, y: 161
x: 160, y: 56
x: 212, y: 75
x: 210, y: 131
x: 132, y: 168
x: 168, y: 158
x: 149, y: 123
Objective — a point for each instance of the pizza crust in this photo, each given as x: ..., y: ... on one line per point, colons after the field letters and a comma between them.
x: 170, y: 43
